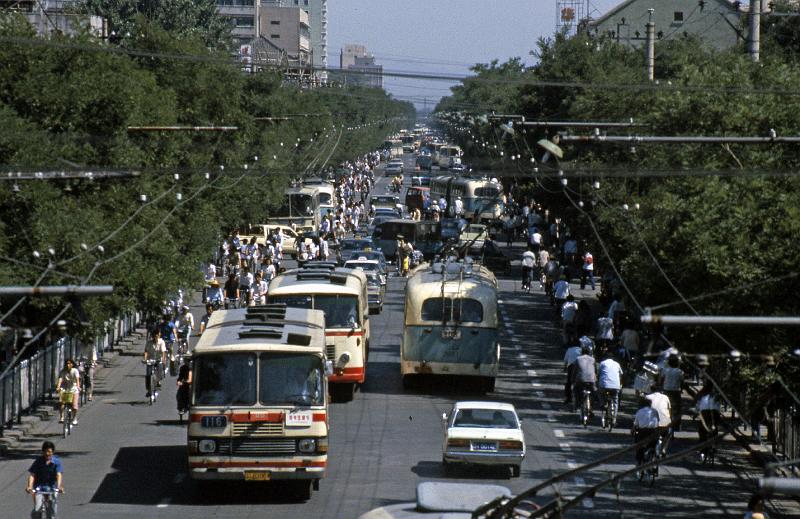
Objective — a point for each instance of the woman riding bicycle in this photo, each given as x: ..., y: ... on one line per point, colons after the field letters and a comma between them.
x: 69, y: 383
x: 184, y: 384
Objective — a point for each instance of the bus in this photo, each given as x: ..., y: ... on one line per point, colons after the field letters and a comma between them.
x: 446, y: 153
x: 342, y: 294
x: 482, y: 198
x: 258, y: 404
x: 325, y: 195
x: 299, y: 208
x: 425, y: 235
x: 450, y: 324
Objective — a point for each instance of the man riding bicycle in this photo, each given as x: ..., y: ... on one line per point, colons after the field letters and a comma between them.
x: 610, y: 375
x: 645, y: 427
x: 155, y: 350
x: 585, y: 375
x: 185, y: 324
x: 45, y: 474
x: 660, y: 402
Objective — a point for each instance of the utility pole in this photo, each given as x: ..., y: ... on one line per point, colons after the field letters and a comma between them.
x: 651, y: 47
x: 755, y: 30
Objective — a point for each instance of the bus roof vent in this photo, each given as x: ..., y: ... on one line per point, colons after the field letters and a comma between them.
x: 261, y: 333
x: 330, y: 265
x: 298, y: 339
x: 339, y: 278
x: 263, y: 312
x: 317, y: 274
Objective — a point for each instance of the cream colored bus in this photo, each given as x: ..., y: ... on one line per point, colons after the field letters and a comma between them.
x: 450, y: 323
x: 342, y: 294
x: 259, y: 405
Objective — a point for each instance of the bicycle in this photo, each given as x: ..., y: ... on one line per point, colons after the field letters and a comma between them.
x: 652, y: 453
x: 586, y: 407
x: 151, y: 379
x: 49, y: 495
x: 65, y: 399
x: 610, y: 409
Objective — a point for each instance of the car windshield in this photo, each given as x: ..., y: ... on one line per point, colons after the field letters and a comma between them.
x: 488, y: 418
x: 363, y: 265
x: 384, y: 200
x: 225, y: 379
x: 291, y: 379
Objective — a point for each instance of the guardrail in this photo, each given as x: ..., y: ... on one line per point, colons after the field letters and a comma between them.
x: 33, y: 380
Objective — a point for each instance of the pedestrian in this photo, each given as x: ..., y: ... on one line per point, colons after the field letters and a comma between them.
x: 588, y: 270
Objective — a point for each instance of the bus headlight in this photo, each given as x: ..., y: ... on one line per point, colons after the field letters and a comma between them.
x: 307, y: 445
x: 207, y: 446
x: 344, y: 358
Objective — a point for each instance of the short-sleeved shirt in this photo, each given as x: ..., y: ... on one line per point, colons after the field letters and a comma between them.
x: 673, y: 378
x: 155, y: 349
x: 609, y: 373
x: 660, y: 402
x: 571, y: 355
x: 584, y: 369
x: 568, y: 311
x: 70, y: 379
x: 45, y: 474
x: 646, y: 418
x: 630, y: 340
x: 561, y: 289
x: 528, y: 259
x: 707, y: 403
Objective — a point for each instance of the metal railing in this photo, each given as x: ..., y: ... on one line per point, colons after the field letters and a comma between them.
x: 32, y: 381
x: 787, y: 434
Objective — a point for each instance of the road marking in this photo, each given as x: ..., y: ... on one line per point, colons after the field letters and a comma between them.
x: 536, y: 384
x: 500, y: 301
x: 522, y: 356
x: 580, y: 481
x: 559, y: 433
x: 587, y: 502
x: 571, y: 464
x: 565, y: 446
x: 164, y: 502
x: 546, y: 405
x: 551, y: 418
x: 531, y: 373
x: 179, y: 478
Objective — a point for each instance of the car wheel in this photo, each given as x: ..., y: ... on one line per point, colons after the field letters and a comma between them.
x: 408, y: 381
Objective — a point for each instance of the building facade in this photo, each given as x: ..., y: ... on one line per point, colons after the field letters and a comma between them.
x: 243, y: 15
x: 719, y: 23
x: 318, y: 28
x: 348, y: 54
x: 287, y: 28
x: 63, y: 16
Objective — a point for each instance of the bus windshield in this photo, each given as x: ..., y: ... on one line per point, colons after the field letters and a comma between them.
x: 225, y: 379
x: 339, y: 309
x: 297, y: 204
x: 290, y: 378
x: 464, y: 310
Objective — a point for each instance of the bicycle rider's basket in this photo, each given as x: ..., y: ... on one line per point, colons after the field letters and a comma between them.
x: 65, y: 397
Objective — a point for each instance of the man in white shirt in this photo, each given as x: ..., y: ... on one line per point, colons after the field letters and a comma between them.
x: 660, y: 402
x: 570, y: 356
x: 568, y: 311
x: 588, y: 270
x: 534, y: 239
x: 528, y: 262
x: 645, y: 427
x: 459, y: 206
x: 610, y: 379
x: 560, y: 293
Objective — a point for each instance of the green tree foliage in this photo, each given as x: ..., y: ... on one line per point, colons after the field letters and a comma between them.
x: 66, y: 103
x: 692, y: 236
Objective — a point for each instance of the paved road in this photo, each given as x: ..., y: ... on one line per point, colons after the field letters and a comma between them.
x: 127, y: 459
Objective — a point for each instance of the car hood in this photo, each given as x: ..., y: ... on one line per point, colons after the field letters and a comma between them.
x: 479, y: 433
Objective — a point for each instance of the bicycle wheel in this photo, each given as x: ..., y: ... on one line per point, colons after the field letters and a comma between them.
x: 585, y: 409
x: 67, y: 420
x: 613, y: 417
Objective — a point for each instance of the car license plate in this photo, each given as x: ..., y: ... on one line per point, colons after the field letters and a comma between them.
x: 484, y: 446
x: 256, y: 475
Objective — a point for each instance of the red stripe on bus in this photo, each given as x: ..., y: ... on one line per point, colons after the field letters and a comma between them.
x: 257, y: 465
x: 349, y: 375
x: 256, y: 417
x: 344, y: 334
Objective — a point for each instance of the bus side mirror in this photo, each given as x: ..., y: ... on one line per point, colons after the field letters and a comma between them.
x: 328, y: 368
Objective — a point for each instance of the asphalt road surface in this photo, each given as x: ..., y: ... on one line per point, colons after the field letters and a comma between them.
x: 128, y: 459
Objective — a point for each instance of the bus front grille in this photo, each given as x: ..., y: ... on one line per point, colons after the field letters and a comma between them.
x: 257, y: 447
x: 330, y: 352
x: 258, y: 429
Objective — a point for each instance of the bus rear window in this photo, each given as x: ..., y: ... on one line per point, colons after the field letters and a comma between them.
x: 296, y: 301
x: 487, y: 192
x: 460, y: 310
x: 340, y: 311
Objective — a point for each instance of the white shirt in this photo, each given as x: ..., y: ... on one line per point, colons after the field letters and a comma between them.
x: 459, y: 206
x: 561, y: 289
x: 528, y: 259
x: 630, y: 340
x: 646, y: 418
x: 588, y: 261
x: 610, y: 374
x: 660, y: 402
x: 259, y: 289
x: 211, y: 272
x: 707, y: 403
x: 616, y: 306
x: 536, y: 238
x: 246, y: 280
x: 568, y: 311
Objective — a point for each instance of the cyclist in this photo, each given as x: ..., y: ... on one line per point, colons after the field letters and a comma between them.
x: 560, y: 293
x: 46, y: 473
x: 169, y: 334
x: 231, y: 290
x: 570, y: 356
x: 528, y: 264
x: 259, y: 290
x: 568, y: 312
x: 670, y: 378
x: 660, y: 402
x: 645, y: 427
x: 206, y: 317
x: 246, y: 286
x: 156, y: 350
x: 610, y: 379
x: 710, y: 418
x: 585, y: 372
x: 69, y: 381
x: 184, y: 384
x: 186, y: 321
x: 215, y: 294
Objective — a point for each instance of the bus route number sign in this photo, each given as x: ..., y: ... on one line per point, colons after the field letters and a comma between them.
x: 298, y: 419
x: 214, y: 422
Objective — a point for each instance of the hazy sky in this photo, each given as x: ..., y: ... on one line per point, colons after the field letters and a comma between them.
x: 441, y: 36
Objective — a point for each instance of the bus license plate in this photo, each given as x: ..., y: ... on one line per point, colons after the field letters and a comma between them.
x: 484, y: 446
x: 256, y: 475
x: 451, y: 333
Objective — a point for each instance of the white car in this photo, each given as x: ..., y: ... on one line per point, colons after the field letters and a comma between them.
x: 483, y: 433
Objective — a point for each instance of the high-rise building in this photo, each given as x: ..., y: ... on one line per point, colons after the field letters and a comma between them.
x: 349, y: 54
x: 318, y: 27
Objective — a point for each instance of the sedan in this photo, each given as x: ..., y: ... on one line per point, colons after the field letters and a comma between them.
x: 483, y: 433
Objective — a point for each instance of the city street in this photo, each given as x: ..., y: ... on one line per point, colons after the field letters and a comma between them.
x: 128, y: 459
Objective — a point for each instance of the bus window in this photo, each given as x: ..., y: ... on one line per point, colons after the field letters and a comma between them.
x: 487, y: 192
x: 225, y: 379
x: 340, y: 311
x: 465, y: 310
x: 324, y: 198
x: 296, y: 301
x: 287, y: 378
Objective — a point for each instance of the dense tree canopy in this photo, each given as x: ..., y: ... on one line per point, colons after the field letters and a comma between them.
x: 66, y: 105
x: 710, y: 217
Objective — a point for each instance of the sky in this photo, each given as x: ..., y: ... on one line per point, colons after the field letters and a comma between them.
x: 442, y: 36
